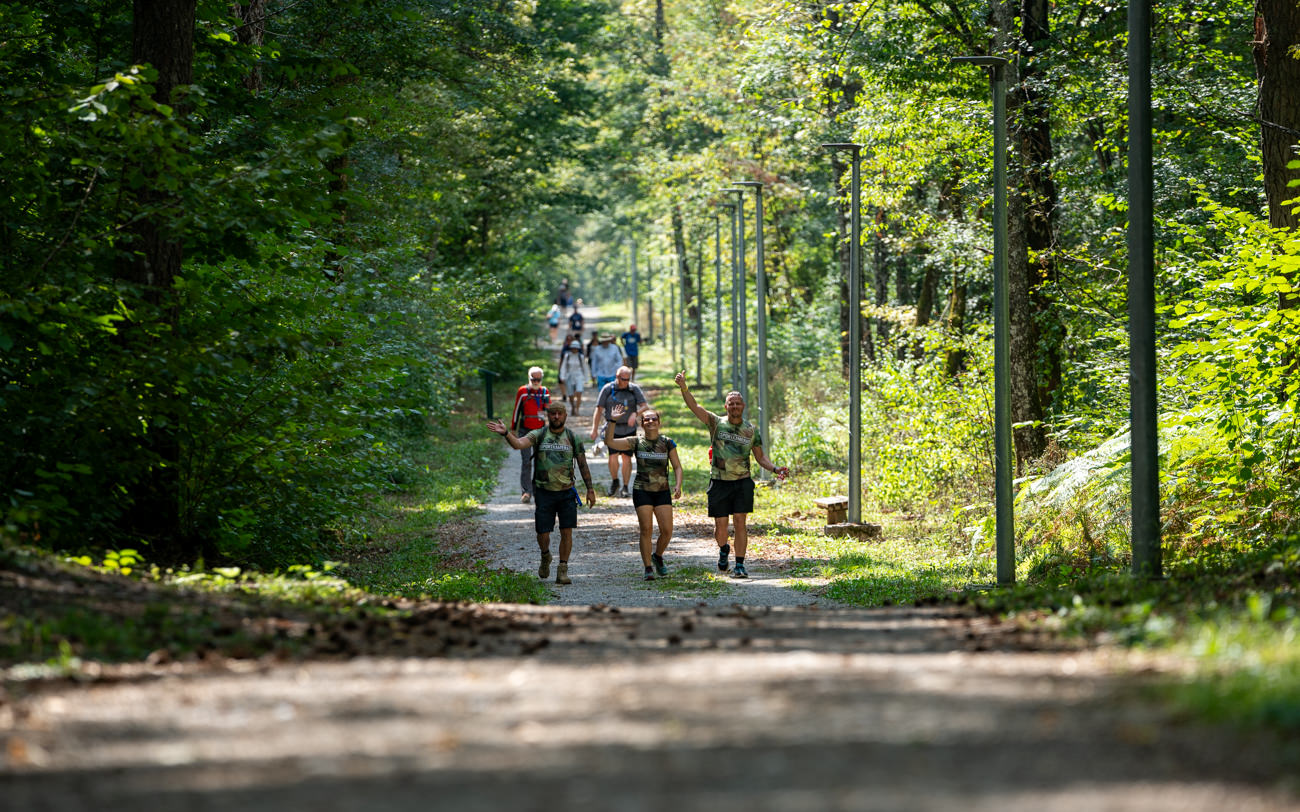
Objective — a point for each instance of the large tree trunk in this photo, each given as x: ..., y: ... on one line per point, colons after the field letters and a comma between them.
x: 1030, y: 204
x: 1277, y: 31
x: 163, y: 37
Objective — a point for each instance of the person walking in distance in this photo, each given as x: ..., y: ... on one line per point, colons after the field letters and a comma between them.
x: 529, y: 413
x: 554, y: 490
x: 631, y: 348
x: 591, y: 345
x: 650, y: 493
x: 605, y: 360
x: 573, y: 373
x: 553, y: 321
x: 623, y: 391
x: 576, y: 319
x: 732, y: 439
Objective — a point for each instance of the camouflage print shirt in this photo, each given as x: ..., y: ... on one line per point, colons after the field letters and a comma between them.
x: 553, y: 458
x: 732, y: 446
x: 652, y: 463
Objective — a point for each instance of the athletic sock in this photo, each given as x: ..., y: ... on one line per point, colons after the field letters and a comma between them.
x: 740, y: 559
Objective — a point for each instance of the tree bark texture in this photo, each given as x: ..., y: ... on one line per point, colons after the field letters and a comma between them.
x: 251, y: 31
x: 162, y: 36
x: 1277, y: 33
x: 1031, y: 203
x: 955, y: 358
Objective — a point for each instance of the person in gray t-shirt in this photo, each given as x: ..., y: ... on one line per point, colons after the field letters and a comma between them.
x: 623, y: 391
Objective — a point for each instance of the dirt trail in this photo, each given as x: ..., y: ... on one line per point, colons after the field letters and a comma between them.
x: 636, y: 706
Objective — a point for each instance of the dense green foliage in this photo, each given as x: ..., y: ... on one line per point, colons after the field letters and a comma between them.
x: 369, y: 199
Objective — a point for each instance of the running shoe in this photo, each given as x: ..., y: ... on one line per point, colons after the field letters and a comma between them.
x: 625, y: 494
x: 723, y: 552
x: 613, y: 487
x: 739, y: 571
x: 544, y: 569
x: 562, y: 573
x: 660, y: 566
x: 649, y: 573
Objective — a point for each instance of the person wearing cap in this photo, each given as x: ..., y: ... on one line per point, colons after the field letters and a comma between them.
x: 573, y: 373
x: 529, y: 413
x: 621, y: 391
x: 605, y: 359
x: 631, y: 348
x: 732, y: 440
x: 555, y: 493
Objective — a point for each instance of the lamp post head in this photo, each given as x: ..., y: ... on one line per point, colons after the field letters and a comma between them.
x: 843, y: 145
x: 753, y: 184
x: 982, y: 61
x: 995, y: 64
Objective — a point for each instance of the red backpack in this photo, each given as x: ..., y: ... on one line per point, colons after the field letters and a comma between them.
x: 525, y: 418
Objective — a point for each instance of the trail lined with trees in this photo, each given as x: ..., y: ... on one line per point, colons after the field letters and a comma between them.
x: 259, y: 260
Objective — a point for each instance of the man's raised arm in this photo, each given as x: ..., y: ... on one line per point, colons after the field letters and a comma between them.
x: 689, y: 399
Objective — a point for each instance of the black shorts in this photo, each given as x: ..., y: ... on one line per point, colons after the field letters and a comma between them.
x: 631, y: 433
x: 629, y: 361
x: 728, y: 496
x: 554, y: 503
x: 651, y: 498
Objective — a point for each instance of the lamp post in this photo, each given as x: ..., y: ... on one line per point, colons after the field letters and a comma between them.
x: 760, y: 294
x: 634, y: 302
x: 742, y: 347
x: 735, y: 320
x: 717, y: 304
x: 1006, y: 540
x: 855, y: 329
x: 1143, y: 415
x: 681, y: 309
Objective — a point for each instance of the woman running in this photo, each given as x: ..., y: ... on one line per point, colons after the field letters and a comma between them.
x: 650, y: 494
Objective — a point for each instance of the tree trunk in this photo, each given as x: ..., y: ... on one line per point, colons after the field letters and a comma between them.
x: 162, y: 36
x: 1030, y: 204
x: 881, y: 275
x: 684, y: 277
x: 1277, y: 31
x: 251, y: 31
x: 955, y: 359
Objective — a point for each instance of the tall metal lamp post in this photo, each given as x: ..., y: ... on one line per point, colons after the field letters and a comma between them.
x: 634, y: 302
x: 1006, y: 539
x: 717, y: 304
x: 760, y: 293
x: 1143, y: 414
x: 735, y: 315
x: 742, y: 316
x: 855, y: 330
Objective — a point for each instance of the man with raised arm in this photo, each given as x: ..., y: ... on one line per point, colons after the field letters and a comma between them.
x: 554, y: 491
x: 731, y: 488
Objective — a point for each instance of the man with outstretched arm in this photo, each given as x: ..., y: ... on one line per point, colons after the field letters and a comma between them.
x: 731, y: 489
x: 555, y: 494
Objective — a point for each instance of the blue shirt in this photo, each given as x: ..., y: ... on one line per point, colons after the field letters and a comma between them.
x: 631, y: 343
